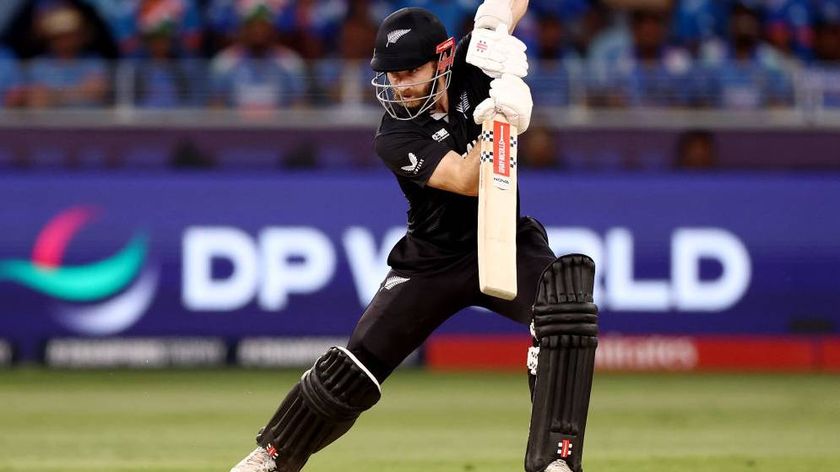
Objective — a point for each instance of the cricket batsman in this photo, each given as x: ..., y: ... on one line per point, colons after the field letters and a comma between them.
x: 436, y: 95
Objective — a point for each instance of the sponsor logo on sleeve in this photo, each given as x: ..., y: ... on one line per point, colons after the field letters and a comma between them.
x: 415, y: 165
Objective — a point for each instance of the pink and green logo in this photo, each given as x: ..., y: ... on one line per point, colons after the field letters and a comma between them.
x: 107, y: 296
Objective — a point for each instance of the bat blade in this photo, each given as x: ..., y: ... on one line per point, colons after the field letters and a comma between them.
x: 497, y: 209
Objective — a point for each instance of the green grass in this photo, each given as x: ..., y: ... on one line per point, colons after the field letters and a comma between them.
x: 206, y: 420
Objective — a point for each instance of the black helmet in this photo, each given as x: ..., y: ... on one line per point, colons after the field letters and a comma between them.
x: 407, y: 38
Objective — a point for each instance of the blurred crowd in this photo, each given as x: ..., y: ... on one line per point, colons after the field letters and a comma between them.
x: 264, y: 54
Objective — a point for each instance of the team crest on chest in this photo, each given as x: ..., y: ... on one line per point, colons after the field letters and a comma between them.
x: 463, y: 103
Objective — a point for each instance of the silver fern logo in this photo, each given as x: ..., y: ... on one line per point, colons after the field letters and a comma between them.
x: 463, y: 104
x: 395, y: 36
x: 393, y: 281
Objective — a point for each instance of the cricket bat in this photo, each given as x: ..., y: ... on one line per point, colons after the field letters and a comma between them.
x: 497, y: 209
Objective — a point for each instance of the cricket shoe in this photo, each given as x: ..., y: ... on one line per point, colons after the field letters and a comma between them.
x: 557, y: 466
x: 257, y: 461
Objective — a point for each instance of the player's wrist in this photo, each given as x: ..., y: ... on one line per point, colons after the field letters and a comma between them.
x: 492, y: 13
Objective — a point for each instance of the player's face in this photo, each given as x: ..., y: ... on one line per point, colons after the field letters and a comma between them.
x: 413, y: 87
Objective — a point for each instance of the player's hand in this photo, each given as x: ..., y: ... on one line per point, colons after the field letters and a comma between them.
x: 510, y: 96
x: 496, y: 52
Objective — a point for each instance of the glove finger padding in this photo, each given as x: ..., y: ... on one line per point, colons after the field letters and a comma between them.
x: 519, y: 69
x: 512, y: 98
x: 484, y: 111
x: 516, y: 61
x: 513, y: 44
x: 510, y: 113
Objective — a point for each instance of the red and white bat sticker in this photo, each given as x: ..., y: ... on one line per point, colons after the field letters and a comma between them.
x: 501, y: 155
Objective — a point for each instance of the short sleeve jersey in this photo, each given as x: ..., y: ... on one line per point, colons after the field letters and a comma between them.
x: 441, y: 224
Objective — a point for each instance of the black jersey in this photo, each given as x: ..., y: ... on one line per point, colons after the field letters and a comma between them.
x: 441, y: 224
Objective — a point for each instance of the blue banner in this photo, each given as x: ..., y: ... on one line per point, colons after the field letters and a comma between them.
x: 301, y: 254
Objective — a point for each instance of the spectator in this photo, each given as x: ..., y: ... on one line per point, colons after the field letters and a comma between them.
x: 739, y: 45
x: 556, y: 60
x: 256, y: 72
x: 660, y: 70
x: 122, y: 18
x: 540, y: 149
x: 568, y: 10
x: 164, y: 79
x: 311, y: 27
x: 12, y: 93
x: 308, y: 26
x: 223, y: 20
x: 827, y: 34
x: 571, y: 13
x: 822, y: 79
x: 698, y: 21
x: 66, y: 76
x: 789, y: 26
x: 588, y: 26
x: 637, y: 66
x: 21, y: 32
x: 184, y: 14
x: 452, y: 13
x: 696, y: 150
x: 346, y: 80
x: 118, y: 18
x: 221, y: 23
x: 746, y: 73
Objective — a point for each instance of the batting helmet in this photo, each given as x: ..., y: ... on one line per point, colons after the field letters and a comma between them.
x: 407, y: 39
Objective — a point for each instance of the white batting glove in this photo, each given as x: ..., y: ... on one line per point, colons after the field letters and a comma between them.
x: 496, y: 52
x: 493, y: 12
x: 510, y: 96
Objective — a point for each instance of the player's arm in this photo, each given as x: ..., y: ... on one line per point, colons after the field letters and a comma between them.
x: 518, y: 10
x: 416, y: 157
x: 457, y: 174
x: 491, y: 13
x: 510, y: 96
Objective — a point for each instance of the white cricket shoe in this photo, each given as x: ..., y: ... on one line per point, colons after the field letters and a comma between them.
x: 257, y: 461
x: 557, y: 466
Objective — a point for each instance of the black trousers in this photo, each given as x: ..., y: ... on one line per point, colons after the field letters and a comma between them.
x: 404, y: 313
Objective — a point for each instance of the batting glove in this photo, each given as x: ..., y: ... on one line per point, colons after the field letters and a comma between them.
x: 496, y: 52
x: 510, y: 96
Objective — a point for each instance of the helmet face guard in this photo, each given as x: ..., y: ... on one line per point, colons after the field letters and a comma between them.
x: 396, y: 107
